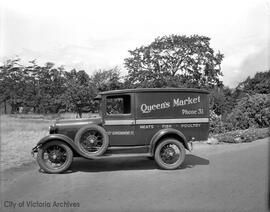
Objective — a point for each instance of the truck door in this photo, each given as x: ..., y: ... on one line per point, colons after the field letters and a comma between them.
x: 119, y: 119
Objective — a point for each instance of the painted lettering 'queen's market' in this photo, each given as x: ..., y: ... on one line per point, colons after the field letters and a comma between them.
x: 177, y: 102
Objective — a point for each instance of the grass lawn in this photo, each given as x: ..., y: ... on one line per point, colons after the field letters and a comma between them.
x: 19, y: 133
x: 18, y: 137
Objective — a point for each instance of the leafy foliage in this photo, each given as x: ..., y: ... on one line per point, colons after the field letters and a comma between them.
x: 260, y: 83
x: 175, y: 61
x: 216, y: 123
x: 222, y: 100
x: 50, y: 84
x: 107, y: 79
x: 50, y: 89
x: 11, y: 86
x: 241, y: 108
x: 242, y: 136
x: 251, y: 111
x: 79, y: 93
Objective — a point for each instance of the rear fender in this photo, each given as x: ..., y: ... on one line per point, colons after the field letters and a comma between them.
x: 165, y: 133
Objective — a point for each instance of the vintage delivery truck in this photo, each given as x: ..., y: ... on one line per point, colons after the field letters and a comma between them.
x: 157, y: 123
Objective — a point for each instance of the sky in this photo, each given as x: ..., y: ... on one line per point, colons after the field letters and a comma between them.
x: 97, y: 34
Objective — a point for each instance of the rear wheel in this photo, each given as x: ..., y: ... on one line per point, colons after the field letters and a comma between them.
x: 92, y: 140
x: 170, y: 154
x: 54, y: 157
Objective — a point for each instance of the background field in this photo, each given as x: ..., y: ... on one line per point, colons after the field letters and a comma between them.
x: 18, y: 137
x: 20, y: 133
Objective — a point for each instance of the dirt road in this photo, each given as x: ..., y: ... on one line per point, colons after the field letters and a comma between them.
x: 229, y: 177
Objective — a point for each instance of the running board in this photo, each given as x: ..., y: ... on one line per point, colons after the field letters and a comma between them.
x: 124, y: 155
x: 127, y: 150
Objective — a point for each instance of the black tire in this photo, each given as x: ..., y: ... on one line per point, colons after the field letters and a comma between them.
x: 48, y: 152
x: 170, y: 154
x: 92, y: 141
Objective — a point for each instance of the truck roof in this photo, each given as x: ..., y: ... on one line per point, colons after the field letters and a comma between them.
x: 150, y: 90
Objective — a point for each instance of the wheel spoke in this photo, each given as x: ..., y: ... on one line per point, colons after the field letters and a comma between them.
x: 55, y: 156
x: 169, y: 153
x: 99, y: 137
x: 91, y: 141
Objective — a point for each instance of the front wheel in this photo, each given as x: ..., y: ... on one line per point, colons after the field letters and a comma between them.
x: 54, y: 157
x: 170, y: 154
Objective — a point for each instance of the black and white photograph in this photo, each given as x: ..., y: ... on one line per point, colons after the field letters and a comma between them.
x: 135, y: 106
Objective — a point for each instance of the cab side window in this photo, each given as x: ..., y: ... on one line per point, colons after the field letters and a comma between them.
x: 118, y: 105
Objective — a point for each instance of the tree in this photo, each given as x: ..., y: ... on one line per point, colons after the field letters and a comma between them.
x: 32, y: 94
x: 52, y: 86
x: 45, y: 86
x: 260, y: 83
x: 79, y: 93
x: 175, y: 61
x: 104, y: 80
x: 222, y: 100
x: 12, y: 83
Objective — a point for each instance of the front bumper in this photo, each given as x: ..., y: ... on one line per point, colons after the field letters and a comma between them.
x: 34, y: 150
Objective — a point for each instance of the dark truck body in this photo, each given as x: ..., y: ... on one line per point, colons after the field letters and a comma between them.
x: 186, y: 110
x: 136, y: 120
x: 151, y: 110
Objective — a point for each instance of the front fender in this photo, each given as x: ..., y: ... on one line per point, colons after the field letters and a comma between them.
x: 60, y: 137
x: 168, y: 132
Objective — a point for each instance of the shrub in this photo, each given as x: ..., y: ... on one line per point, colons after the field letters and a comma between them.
x: 250, y: 111
x: 216, y: 124
x: 242, y: 136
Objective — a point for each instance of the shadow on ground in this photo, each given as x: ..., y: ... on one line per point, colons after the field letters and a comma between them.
x: 120, y: 164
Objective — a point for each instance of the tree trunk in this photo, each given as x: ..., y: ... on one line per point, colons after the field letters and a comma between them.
x: 5, y: 105
x: 79, y: 112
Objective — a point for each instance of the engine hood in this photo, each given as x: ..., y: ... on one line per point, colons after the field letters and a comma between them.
x: 78, y: 122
